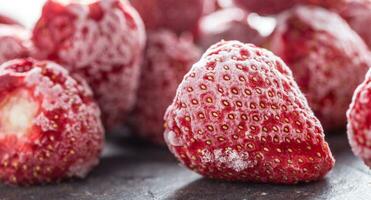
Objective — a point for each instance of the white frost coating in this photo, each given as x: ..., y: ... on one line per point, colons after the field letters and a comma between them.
x: 237, y: 161
x: 54, y: 95
x: 45, y: 123
x: 173, y: 139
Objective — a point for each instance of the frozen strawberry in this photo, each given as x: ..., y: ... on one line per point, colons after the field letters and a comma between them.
x: 359, y: 121
x: 178, y: 16
x: 7, y: 20
x: 50, y: 127
x: 14, y: 42
x: 102, y: 42
x: 270, y: 7
x: 239, y: 115
x: 327, y: 58
x: 358, y: 15
x: 168, y: 58
x: 227, y: 24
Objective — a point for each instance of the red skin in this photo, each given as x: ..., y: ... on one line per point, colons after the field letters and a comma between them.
x: 271, y: 7
x: 358, y: 16
x: 65, y: 137
x: 238, y: 115
x: 103, y: 43
x: 227, y: 24
x: 168, y: 58
x: 359, y: 121
x: 7, y: 20
x: 178, y: 17
x: 322, y: 51
x: 14, y: 42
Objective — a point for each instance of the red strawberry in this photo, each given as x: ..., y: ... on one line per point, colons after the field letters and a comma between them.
x: 102, y: 42
x: 7, y: 20
x: 50, y: 127
x: 168, y: 58
x: 14, y: 42
x: 270, y: 7
x: 227, y: 24
x: 239, y: 115
x: 322, y: 52
x: 358, y: 15
x: 359, y: 121
x: 179, y: 16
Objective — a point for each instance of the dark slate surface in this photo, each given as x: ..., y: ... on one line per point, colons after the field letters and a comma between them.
x: 140, y: 171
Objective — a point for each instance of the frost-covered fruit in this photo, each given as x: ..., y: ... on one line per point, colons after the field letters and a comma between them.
x: 7, y: 20
x: 227, y: 24
x: 239, y: 115
x: 327, y: 58
x: 271, y: 7
x: 102, y: 42
x: 14, y: 42
x: 179, y: 16
x: 359, y: 121
x: 358, y: 15
x: 50, y: 127
x: 168, y: 58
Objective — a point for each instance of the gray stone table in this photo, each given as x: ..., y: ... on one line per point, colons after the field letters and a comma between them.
x: 134, y: 170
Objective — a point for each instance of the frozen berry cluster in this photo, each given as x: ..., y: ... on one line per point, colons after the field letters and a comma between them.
x: 254, y: 107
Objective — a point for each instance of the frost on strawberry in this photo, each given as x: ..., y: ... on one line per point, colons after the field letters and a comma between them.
x: 168, y: 58
x: 14, y: 42
x: 359, y: 121
x: 327, y: 58
x: 102, y: 42
x: 50, y: 127
x: 239, y: 115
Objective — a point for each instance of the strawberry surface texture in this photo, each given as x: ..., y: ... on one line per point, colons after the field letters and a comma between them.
x: 238, y: 115
x: 359, y: 121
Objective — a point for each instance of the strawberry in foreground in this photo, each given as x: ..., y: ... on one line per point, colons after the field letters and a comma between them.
x: 102, y: 41
x: 359, y: 121
x: 50, y: 127
x: 239, y: 115
x: 14, y: 42
x: 168, y: 58
x: 328, y: 59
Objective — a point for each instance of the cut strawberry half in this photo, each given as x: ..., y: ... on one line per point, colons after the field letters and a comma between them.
x: 50, y: 127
